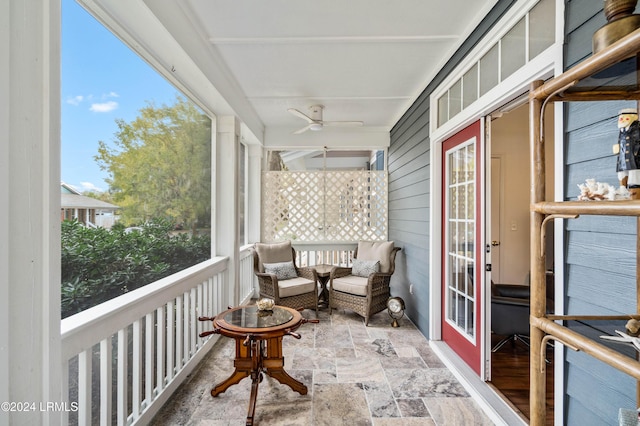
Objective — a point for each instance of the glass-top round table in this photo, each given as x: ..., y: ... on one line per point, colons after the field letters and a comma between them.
x: 250, y: 317
x: 258, y: 337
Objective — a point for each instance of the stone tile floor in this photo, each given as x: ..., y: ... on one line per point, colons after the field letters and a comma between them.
x: 356, y: 375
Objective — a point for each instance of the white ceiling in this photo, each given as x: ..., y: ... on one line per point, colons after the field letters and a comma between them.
x: 364, y: 60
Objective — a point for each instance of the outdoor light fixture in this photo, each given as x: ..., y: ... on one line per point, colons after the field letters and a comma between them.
x: 395, y: 307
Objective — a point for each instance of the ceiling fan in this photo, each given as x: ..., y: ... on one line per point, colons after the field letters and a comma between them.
x: 315, y: 122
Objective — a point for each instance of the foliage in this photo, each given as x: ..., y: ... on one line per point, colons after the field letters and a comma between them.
x: 160, y: 165
x: 100, y: 264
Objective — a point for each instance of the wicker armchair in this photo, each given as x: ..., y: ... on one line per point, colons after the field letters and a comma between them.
x: 366, y: 294
x: 299, y: 290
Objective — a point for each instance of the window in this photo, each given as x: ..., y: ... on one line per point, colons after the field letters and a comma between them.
x: 513, y: 50
x: 525, y: 40
x: 131, y: 143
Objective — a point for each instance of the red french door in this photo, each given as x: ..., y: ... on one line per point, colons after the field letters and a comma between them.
x: 462, y: 302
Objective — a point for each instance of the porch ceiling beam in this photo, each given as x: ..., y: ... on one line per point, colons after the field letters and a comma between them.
x: 368, y: 138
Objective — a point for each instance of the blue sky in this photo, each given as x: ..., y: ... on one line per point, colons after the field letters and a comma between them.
x: 102, y: 80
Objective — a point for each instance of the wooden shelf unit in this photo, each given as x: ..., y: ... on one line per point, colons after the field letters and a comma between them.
x: 566, y: 87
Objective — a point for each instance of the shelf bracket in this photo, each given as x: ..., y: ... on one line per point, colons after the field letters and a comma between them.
x: 543, y: 348
x: 543, y: 228
x: 544, y: 104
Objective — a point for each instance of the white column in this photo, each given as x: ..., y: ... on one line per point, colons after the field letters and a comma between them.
x: 5, y: 107
x: 227, y: 231
x: 254, y: 188
x: 30, y: 208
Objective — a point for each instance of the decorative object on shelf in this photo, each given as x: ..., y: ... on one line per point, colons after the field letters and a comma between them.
x: 265, y: 304
x: 628, y: 151
x: 627, y: 417
x: 633, y: 327
x: 600, y: 191
x: 395, y: 307
x: 623, y: 337
x: 621, y: 21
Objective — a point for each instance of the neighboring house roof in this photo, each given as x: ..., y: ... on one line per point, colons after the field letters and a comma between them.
x: 72, y: 199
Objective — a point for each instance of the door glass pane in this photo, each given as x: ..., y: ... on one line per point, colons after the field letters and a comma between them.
x: 513, y: 50
x: 461, y: 231
x: 489, y: 70
x: 542, y: 27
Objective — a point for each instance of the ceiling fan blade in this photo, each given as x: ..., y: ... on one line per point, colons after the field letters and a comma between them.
x: 343, y: 123
x: 300, y: 114
x: 304, y: 129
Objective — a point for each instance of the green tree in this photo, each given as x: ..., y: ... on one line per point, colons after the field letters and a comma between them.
x: 160, y: 165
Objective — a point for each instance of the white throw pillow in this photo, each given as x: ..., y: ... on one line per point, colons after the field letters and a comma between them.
x: 282, y: 270
x: 364, y: 268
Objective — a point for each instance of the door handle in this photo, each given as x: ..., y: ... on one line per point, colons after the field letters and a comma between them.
x: 495, y: 243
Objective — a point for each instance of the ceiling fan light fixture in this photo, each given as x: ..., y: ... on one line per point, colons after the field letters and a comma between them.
x: 316, y: 123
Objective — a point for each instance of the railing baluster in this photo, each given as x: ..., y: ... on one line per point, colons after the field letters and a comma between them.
x: 64, y: 414
x: 161, y: 348
x: 179, y: 330
x: 136, y: 375
x: 122, y: 382
x: 186, y: 334
x: 149, y: 336
x: 193, y: 324
x: 204, y: 311
x: 171, y: 342
x: 84, y: 387
x: 106, y: 381
x: 217, y: 295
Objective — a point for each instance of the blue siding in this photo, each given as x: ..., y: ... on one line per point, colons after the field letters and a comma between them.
x: 409, y: 186
x: 600, y: 251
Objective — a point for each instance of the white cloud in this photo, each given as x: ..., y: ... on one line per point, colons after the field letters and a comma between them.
x: 88, y: 186
x: 112, y: 95
x: 104, y: 107
x: 75, y: 100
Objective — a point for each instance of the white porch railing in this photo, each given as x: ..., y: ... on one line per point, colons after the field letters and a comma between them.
x: 310, y: 254
x: 248, y: 281
x: 122, y: 359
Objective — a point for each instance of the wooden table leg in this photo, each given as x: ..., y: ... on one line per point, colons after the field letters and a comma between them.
x: 257, y: 347
x: 255, y: 356
x: 324, y: 293
x: 243, y: 367
x: 274, y: 366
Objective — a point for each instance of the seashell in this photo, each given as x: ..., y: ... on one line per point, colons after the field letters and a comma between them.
x: 265, y: 304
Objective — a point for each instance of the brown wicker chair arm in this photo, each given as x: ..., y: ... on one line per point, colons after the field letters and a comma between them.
x: 268, y: 283
x: 339, y: 271
x: 379, y: 280
x: 308, y: 273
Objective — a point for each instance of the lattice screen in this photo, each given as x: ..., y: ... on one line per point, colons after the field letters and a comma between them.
x: 324, y: 206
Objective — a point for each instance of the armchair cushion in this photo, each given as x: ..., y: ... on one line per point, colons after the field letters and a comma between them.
x: 282, y: 270
x: 273, y: 253
x: 351, y: 284
x: 376, y: 250
x: 364, y: 268
x: 295, y: 286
